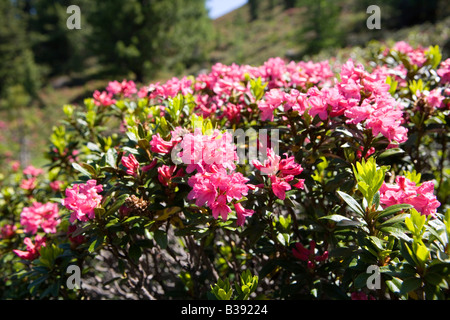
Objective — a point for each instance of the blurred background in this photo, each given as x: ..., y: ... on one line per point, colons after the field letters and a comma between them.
x: 44, y: 64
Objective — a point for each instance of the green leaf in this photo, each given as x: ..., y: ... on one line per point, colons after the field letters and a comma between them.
x: 410, y: 284
x: 161, y: 238
x: 80, y: 169
x: 394, y: 209
x: 351, y: 203
x: 394, y: 220
x: 341, y: 220
x: 135, y: 252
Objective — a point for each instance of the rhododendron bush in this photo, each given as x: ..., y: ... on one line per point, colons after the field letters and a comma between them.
x: 289, y: 180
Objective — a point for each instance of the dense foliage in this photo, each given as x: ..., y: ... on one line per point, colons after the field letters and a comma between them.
x: 290, y: 180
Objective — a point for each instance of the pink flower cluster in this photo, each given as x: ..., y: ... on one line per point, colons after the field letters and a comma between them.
x: 40, y: 215
x: 224, y: 82
x: 309, y: 255
x: 416, y: 56
x: 169, y: 89
x: 166, y: 174
x: 106, y: 98
x: 124, y: 88
x: 203, y: 151
x: 280, y: 172
x: 7, y: 231
x: 82, y: 199
x: 32, y: 251
x: 131, y: 164
x: 404, y: 191
x: 103, y: 98
x: 217, y: 189
x: 361, y: 97
x: 444, y: 71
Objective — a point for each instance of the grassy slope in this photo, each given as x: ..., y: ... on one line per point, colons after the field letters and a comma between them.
x: 273, y: 34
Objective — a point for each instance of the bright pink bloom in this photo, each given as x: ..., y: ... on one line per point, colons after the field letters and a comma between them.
x: 361, y: 296
x: 242, y: 213
x: 126, y: 88
x: 56, y: 185
x: 15, y: 165
x: 7, y: 231
x: 150, y: 166
x: 131, y: 164
x: 308, y: 255
x: 435, y: 98
x: 444, y: 71
x: 32, y: 171
x: 82, y: 199
x: 405, y: 191
x: 75, y: 240
x: 103, y: 98
x: 201, y: 152
x: 39, y: 215
x: 32, y: 251
x: 217, y: 190
x: 28, y: 184
x: 280, y: 172
x: 159, y: 145
x: 166, y: 174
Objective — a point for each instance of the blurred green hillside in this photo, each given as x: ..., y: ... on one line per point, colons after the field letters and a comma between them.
x: 45, y: 65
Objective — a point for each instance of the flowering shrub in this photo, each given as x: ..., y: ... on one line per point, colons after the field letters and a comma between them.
x: 288, y: 179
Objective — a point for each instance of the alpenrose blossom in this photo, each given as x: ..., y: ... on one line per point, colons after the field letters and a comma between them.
x: 32, y: 171
x: 131, y: 164
x: 217, y: 189
x: 29, y: 184
x: 7, y: 231
x: 125, y: 88
x: 404, y: 191
x: 40, y: 215
x: 56, y: 185
x: 32, y: 251
x: 280, y: 172
x: 82, y: 199
x: 166, y: 174
x: 202, y: 151
x: 103, y: 98
x: 308, y: 255
x: 444, y: 71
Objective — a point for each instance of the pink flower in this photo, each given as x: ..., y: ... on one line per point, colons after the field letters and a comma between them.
x: 126, y: 88
x: 150, y: 166
x: 82, y: 199
x: 131, y: 164
x: 103, y: 98
x: 405, y: 191
x: 361, y: 296
x: 7, y: 231
x: 280, y: 172
x: 308, y: 255
x: 28, y: 184
x: 166, y: 174
x: 444, y: 71
x: 217, y: 190
x: 75, y: 240
x: 159, y: 145
x: 32, y: 171
x: 56, y: 185
x: 39, y: 215
x: 242, y: 213
x: 220, y: 208
x: 435, y: 98
x: 201, y: 152
x: 32, y: 251
x: 15, y: 165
